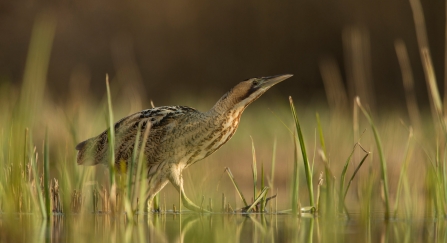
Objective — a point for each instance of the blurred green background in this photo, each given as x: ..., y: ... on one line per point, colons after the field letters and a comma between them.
x: 164, y: 49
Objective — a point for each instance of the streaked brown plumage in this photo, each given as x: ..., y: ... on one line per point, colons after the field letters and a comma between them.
x: 179, y: 136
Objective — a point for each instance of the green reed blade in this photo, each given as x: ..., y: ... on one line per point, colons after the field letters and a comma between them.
x: 320, y: 133
x: 307, y: 168
x: 111, y: 134
x: 403, y: 172
x: 383, y: 164
x: 434, y: 182
x: 330, y: 182
x: 25, y: 148
x: 132, y: 164
x: 355, y: 173
x: 443, y: 172
x: 40, y: 197
x: 342, y: 181
x: 130, y: 185
x: 432, y: 84
x: 111, y: 151
x: 320, y: 183
x: 258, y: 199
x: 272, y: 176
x: 295, y: 176
x: 262, y: 186
x: 46, y: 175
x: 141, y: 176
x: 254, y: 168
x: 236, y: 186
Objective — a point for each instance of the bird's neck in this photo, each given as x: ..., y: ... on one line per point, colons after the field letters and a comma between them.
x: 226, y: 115
x: 224, y: 104
x: 220, y: 124
x: 227, y: 111
x: 228, y: 103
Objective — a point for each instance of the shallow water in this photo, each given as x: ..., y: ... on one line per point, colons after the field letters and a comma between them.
x: 189, y: 227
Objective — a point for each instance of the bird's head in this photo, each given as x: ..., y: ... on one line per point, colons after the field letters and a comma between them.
x: 244, y: 93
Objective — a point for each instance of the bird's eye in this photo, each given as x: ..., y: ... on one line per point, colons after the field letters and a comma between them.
x: 255, y: 82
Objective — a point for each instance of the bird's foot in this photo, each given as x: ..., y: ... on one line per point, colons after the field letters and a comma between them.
x: 191, y: 206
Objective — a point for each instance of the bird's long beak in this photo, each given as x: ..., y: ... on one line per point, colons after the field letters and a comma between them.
x: 272, y: 80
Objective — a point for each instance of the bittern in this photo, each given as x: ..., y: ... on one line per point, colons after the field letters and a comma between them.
x: 179, y: 136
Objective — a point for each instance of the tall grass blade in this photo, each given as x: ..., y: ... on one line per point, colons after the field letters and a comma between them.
x: 141, y: 168
x: 342, y: 181
x: 254, y: 168
x: 133, y: 163
x: 36, y: 68
x: 330, y: 182
x: 434, y: 187
x: 111, y: 141
x: 307, y: 168
x: 271, y: 180
x: 25, y: 149
x: 333, y: 85
x: 355, y: 173
x: 320, y: 133
x: 357, y: 53
x: 236, y: 186
x: 433, y: 197
x: 295, y: 176
x: 443, y: 172
x: 383, y: 164
x: 262, y: 186
x: 46, y: 175
x: 320, y: 183
x: 431, y: 81
x: 130, y: 175
x: 437, y: 103
x: 258, y: 199
x: 40, y: 198
x: 422, y: 38
x: 408, y: 84
x: 272, y: 176
x: 403, y: 173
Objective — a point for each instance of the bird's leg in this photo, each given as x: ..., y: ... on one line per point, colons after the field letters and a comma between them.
x: 155, y: 181
x: 177, y: 180
x: 155, y: 187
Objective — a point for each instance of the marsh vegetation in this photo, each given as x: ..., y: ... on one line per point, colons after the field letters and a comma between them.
x: 293, y: 172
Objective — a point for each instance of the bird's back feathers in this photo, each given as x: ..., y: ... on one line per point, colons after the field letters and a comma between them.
x: 94, y: 150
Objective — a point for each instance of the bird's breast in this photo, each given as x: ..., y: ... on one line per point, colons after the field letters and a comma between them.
x: 215, y: 136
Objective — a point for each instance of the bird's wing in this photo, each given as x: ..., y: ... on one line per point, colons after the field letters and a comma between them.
x: 162, y: 120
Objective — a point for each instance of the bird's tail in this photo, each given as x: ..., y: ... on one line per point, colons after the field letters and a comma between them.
x: 88, y: 152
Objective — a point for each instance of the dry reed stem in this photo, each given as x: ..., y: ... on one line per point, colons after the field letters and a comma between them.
x: 431, y: 80
x: 422, y: 38
x: 358, y: 63
x: 333, y: 86
x: 408, y: 83
x: 235, y: 185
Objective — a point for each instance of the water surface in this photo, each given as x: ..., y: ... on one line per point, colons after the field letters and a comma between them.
x: 191, y: 227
